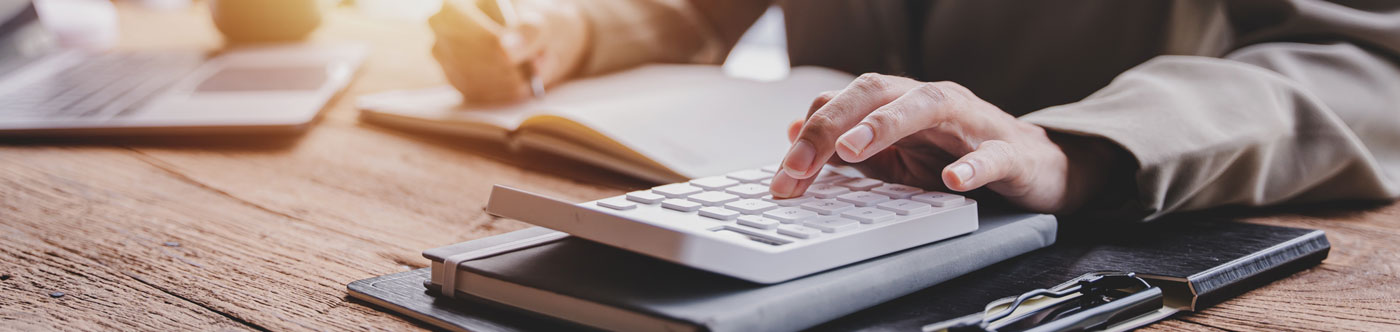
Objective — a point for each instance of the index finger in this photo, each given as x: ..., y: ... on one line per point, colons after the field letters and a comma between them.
x: 816, y: 142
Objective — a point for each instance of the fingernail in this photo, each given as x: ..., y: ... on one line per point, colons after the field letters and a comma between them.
x: 799, y: 159
x: 857, y: 139
x: 963, y: 172
x: 782, y: 186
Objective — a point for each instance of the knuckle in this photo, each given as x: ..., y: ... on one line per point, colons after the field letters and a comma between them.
x: 886, y: 118
x: 933, y: 92
x: 998, y: 149
x: 819, y: 125
x: 938, y: 97
x: 998, y: 156
x: 871, y: 82
x: 952, y: 88
x: 821, y: 100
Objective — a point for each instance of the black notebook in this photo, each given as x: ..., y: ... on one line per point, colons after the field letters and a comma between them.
x: 1197, y: 263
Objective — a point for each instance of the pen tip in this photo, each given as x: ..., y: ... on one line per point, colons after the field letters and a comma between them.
x: 537, y: 87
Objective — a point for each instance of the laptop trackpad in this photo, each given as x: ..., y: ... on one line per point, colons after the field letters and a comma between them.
x: 278, y: 78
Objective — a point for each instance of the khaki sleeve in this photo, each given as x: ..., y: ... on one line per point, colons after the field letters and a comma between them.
x: 626, y: 33
x: 1271, y: 123
x: 1306, y: 109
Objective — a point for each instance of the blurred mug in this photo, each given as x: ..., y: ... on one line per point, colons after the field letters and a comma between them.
x: 254, y: 21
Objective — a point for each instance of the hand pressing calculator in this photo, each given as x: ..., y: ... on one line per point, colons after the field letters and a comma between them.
x: 729, y: 224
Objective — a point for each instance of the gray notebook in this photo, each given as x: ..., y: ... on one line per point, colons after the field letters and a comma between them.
x: 600, y: 286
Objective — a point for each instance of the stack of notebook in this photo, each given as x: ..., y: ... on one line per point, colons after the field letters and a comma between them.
x: 574, y: 283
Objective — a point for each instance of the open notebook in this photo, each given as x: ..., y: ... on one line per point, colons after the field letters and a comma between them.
x: 663, y: 123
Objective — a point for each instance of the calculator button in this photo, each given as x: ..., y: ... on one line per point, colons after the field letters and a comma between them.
x: 712, y: 198
x: 759, y: 222
x: 905, y: 207
x: 645, y: 197
x: 869, y: 215
x: 826, y: 190
x: 749, y: 176
x: 830, y: 178
x: 748, y: 190
x: 617, y: 203
x: 828, y: 206
x: 789, y: 215
x: 795, y: 201
x: 863, y: 198
x: 773, y: 169
x: 718, y: 213
x: 801, y: 232
x: 680, y: 205
x: 861, y: 183
x: 766, y: 182
x: 751, y: 206
x: 897, y: 191
x: 677, y: 190
x: 938, y: 199
x: 831, y: 224
x: 713, y: 182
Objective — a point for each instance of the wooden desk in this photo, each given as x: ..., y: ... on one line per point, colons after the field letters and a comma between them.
x: 264, y: 234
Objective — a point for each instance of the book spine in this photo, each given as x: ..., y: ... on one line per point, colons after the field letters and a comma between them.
x: 1241, y: 275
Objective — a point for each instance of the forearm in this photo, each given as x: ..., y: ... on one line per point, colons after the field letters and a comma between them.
x: 1207, y: 132
x: 1099, y: 176
x: 626, y: 33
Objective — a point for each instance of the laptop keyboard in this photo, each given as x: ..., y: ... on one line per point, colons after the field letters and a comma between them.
x: 100, y: 86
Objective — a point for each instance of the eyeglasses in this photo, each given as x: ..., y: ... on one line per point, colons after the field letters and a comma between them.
x: 1094, y: 301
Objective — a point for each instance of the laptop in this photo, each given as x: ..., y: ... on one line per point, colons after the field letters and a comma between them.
x: 48, y: 91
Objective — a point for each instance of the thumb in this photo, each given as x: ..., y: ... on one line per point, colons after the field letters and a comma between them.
x: 992, y: 161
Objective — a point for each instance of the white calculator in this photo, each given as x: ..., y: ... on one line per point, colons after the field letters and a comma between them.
x: 729, y: 224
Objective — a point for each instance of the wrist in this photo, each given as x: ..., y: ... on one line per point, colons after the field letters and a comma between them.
x: 1092, y: 165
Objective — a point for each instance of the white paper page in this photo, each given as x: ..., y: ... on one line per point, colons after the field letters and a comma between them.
x: 698, y: 122
x: 443, y: 103
x: 693, y: 119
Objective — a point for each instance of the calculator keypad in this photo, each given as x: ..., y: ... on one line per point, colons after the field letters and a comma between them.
x: 645, y: 197
x: 825, y: 190
x: 712, y: 198
x: 801, y: 232
x: 835, y: 205
x: 828, y: 206
x: 677, y: 190
x: 751, y: 206
x: 790, y: 215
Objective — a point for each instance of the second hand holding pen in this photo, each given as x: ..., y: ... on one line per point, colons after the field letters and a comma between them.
x: 527, y: 69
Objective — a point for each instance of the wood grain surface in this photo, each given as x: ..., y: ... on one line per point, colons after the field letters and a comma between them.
x: 263, y: 233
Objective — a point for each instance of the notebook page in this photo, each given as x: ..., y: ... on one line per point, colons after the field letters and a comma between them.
x: 441, y: 109
x: 697, y: 121
x: 444, y: 104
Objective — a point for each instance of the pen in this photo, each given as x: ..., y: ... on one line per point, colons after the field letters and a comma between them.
x: 512, y: 19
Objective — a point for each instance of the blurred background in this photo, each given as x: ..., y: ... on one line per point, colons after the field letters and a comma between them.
x: 97, y: 25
